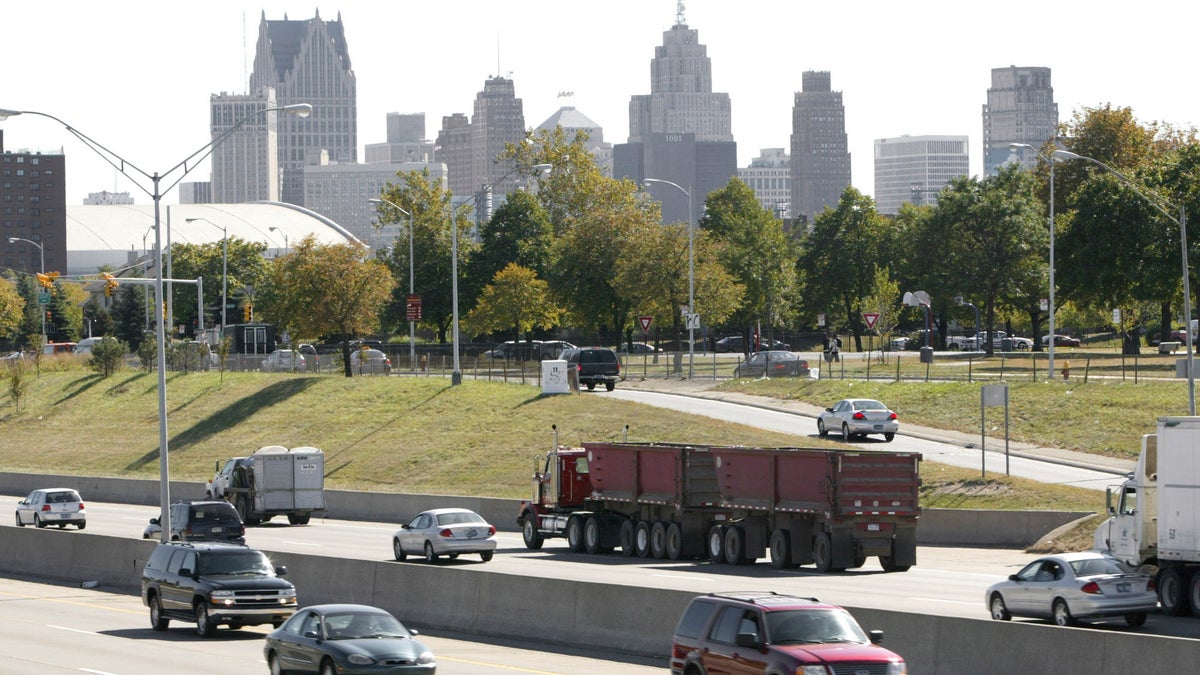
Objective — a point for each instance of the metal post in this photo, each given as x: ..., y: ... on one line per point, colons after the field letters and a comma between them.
x: 691, y: 269
x: 456, y: 374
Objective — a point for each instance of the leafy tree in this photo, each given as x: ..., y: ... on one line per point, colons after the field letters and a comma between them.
x: 12, y: 309
x: 517, y: 300
x: 129, y: 314
x: 884, y: 300
x: 107, y: 356
x: 18, y: 379
x: 66, y: 312
x: 321, y: 289
x: 97, y: 320
x: 247, y: 268
x: 519, y: 232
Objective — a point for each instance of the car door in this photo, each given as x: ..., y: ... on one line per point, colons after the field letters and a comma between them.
x: 1030, y: 593
x: 176, y: 585
x: 413, y: 537
x: 27, y: 507
x: 724, y: 656
x: 298, y: 647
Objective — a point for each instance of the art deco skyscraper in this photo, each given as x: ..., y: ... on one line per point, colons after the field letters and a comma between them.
x: 820, y: 150
x: 1020, y: 108
x: 470, y: 149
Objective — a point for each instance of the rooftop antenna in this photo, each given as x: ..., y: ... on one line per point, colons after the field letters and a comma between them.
x: 679, y: 20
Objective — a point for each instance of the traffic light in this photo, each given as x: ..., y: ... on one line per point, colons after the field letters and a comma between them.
x: 110, y: 284
x: 247, y: 313
x: 46, y: 279
x: 49, y: 316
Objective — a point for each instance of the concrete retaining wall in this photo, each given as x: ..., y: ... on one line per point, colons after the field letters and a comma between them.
x: 604, y: 616
x: 939, y: 527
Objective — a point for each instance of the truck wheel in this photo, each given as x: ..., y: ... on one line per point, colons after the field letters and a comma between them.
x: 658, y: 540
x: 529, y: 532
x: 674, y: 541
x: 1172, y: 591
x: 735, y: 545
x: 591, y: 535
x: 204, y: 625
x: 716, y: 544
x: 626, y: 537
x: 610, y: 385
x: 781, y: 549
x: 1194, y: 594
x: 298, y: 518
x: 822, y: 552
x: 888, y: 563
x: 575, y: 534
x: 591, y: 386
x: 641, y: 539
x: 157, y: 621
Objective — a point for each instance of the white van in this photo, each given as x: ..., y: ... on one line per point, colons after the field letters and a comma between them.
x: 85, y: 345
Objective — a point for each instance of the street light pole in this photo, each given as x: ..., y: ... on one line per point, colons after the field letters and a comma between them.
x: 691, y: 272
x: 224, y: 266
x: 412, y: 339
x: 286, y: 245
x: 42, y: 255
x: 1049, y: 160
x: 1163, y: 207
x: 456, y: 374
x: 156, y: 192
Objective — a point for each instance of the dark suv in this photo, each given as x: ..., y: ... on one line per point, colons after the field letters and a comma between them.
x: 215, y: 583
x: 764, y: 632
x: 594, y: 365
x: 211, y: 520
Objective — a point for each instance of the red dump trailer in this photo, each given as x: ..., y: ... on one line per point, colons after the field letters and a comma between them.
x: 830, y: 508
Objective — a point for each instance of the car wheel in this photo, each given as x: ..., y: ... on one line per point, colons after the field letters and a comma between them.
x: 821, y: 430
x: 37, y: 521
x: 430, y: 556
x: 889, y: 436
x: 529, y: 532
x: 610, y: 385
x: 273, y: 664
x: 998, y: 608
x: 716, y: 544
x: 674, y: 541
x: 1062, y: 613
x: 641, y: 539
x: 591, y: 386
x: 157, y: 621
x: 575, y: 533
x: 327, y: 668
x: 398, y: 550
x: 781, y: 549
x: 1136, y: 619
x: 204, y: 625
x: 485, y: 556
x: 845, y: 432
x: 625, y: 538
x: 19, y: 523
x: 822, y: 552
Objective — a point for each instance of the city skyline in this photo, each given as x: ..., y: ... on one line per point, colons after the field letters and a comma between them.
x: 903, y: 70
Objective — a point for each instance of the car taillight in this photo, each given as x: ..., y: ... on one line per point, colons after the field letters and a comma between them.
x: 892, y: 416
x: 1150, y: 585
x: 491, y: 530
x: 446, y: 533
x: 45, y: 507
x: 859, y: 416
x: 80, y: 506
x: 1092, y: 588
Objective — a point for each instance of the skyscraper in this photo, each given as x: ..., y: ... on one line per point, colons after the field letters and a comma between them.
x: 245, y: 167
x: 1020, y: 108
x: 470, y: 150
x: 770, y: 176
x: 681, y: 131
x: 820, y: 150
x: 34, y: 197
x: 915, y: 169
x: 308, y: 62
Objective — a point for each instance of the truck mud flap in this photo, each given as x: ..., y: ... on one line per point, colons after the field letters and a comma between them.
x: 843, y: 549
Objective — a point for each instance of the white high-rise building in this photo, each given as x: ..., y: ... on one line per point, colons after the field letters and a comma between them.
x: 770, y: 176
x: 915, y: 169
x: 245, y: 167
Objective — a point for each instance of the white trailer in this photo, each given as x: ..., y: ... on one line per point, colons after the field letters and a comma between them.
x: 1155, y: 520
x: 274, y: 481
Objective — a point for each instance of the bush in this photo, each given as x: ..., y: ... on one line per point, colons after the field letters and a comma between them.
x: 107, y: 356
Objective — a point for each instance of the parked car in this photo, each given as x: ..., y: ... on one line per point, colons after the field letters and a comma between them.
x: 594, y: 365
x: 450, y: 532
x: 858, y: 417
x: 765, y: 632
x: 517, y: 350
x: 312, y: 360
x: 1061, y: 340
x: 899, y: 344
x: 732, y: 343
x: 215, y: 583
x: 346, y: 639
x: 774, y: 363
x: 552, y: 349
x: 638, y: 348
x: 197, y: 520
x: 52, y: 506
x: 370, y: 361
x: 1070, y: 586
x: 85, y: 345
x: 283, y: 361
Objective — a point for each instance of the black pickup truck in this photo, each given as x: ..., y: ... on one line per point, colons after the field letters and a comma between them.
x: 594, y: 365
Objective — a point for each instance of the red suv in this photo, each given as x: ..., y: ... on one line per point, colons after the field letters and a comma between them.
x: 764, y: 632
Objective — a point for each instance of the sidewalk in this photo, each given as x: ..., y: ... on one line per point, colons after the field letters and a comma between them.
x: 707, y: 388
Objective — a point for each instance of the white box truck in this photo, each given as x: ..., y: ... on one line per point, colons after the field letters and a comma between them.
x: 1155, y: 514
x: 274, y: 481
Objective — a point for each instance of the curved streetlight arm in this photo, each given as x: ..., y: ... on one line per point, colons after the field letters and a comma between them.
x: 1155, y: 201
x: 646, y: 182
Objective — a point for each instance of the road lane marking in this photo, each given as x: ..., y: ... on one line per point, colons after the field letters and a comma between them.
x: 952, y: 602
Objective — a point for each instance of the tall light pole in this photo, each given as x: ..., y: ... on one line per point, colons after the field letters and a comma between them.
x: 412, y: 324
x: 1054, y: 154
x: 456, y: 374
x: 485, y: 213
x: 286, y: 245
x: 691, y: 322
x: 156, y: 192
x: 1163, y: 208
x: 224, y: 266
x: 42, y: 254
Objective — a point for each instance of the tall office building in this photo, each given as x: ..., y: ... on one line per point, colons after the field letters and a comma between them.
x: 308, y: 62
x: 915, y: 169
x: 1020, y: 108
x: 406, y: 141
x: 820, y: 150
x: 245, y: 167
x: 33, y: 208
x: 572, y: 121
x: 681, y: 131
x: 770, y: 176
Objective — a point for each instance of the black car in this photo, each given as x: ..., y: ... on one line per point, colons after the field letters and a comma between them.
x: 213, y: 583
x: 201, y: 520
x: 346, y: 639
x: 773, y: 363
x: 594, y: 365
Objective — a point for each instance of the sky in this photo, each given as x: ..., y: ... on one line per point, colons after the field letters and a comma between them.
x: 136, y: 76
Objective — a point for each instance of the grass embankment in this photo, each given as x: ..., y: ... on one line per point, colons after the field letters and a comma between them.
x: 399, y: 434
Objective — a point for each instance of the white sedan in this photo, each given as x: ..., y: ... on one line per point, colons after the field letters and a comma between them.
x: 449, y: 532
x: 1070, y: 586
x: 284, y: 361
x: 52, y: 506
x: 858, y: 417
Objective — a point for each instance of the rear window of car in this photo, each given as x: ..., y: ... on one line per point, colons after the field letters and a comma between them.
x: 695, y: 619
x: 159, y: 558
x: 62, y: 497
x: 214, y: 513
x: 598, y: 356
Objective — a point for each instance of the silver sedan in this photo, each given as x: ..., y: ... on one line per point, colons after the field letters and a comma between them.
x: 858, y: 417
x: 1071, y: 586
x: 448, y: 532
x: 52, y: 506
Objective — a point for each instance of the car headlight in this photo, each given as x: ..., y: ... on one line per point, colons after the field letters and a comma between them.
x: 360, y: 659
x: 897, y: 668
x: 221, y: 597
x: 425, y: 657
x: 812, y: 670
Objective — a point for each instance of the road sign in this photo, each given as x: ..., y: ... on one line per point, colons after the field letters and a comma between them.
x: 693, y: 322
x: 412, y: 308
x: 870, y: 318
x: 645, y: 322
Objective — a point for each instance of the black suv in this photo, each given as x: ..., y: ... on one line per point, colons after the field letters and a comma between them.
x: 764, y: 632
x: 201, y: 520
x: 215, y: 583
x: 594, y: 365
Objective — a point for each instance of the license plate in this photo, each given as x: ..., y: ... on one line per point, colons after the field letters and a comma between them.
x: 1123, y: 587
x: 872, y: 527
x: 878, y: 427
x: 216, y: 530
x: 64, y: 516
x: 470, y: 533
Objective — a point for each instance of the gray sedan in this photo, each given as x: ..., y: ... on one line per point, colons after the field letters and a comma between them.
x: 1071, y: 586
x: 858, y: 417
x: 448, y: 532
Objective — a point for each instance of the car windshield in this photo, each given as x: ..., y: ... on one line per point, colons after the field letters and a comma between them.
x: 363, y: 625
x: 812, y: 626
x: 235, y: 563
x: 458, y: 518
x: 1094, y: 566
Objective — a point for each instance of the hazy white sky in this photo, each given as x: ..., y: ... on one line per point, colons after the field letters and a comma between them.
x: 136, y: 75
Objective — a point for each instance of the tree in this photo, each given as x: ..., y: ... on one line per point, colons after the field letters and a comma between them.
x: 107, y: 356
x: 327, y: 289
x: 247, y: 268
x: 129, y: 315
x: 884, y: 301
x: 12, y: 310
x: 66, y: 312
x: 519, y: 232
x: 517, y: 300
